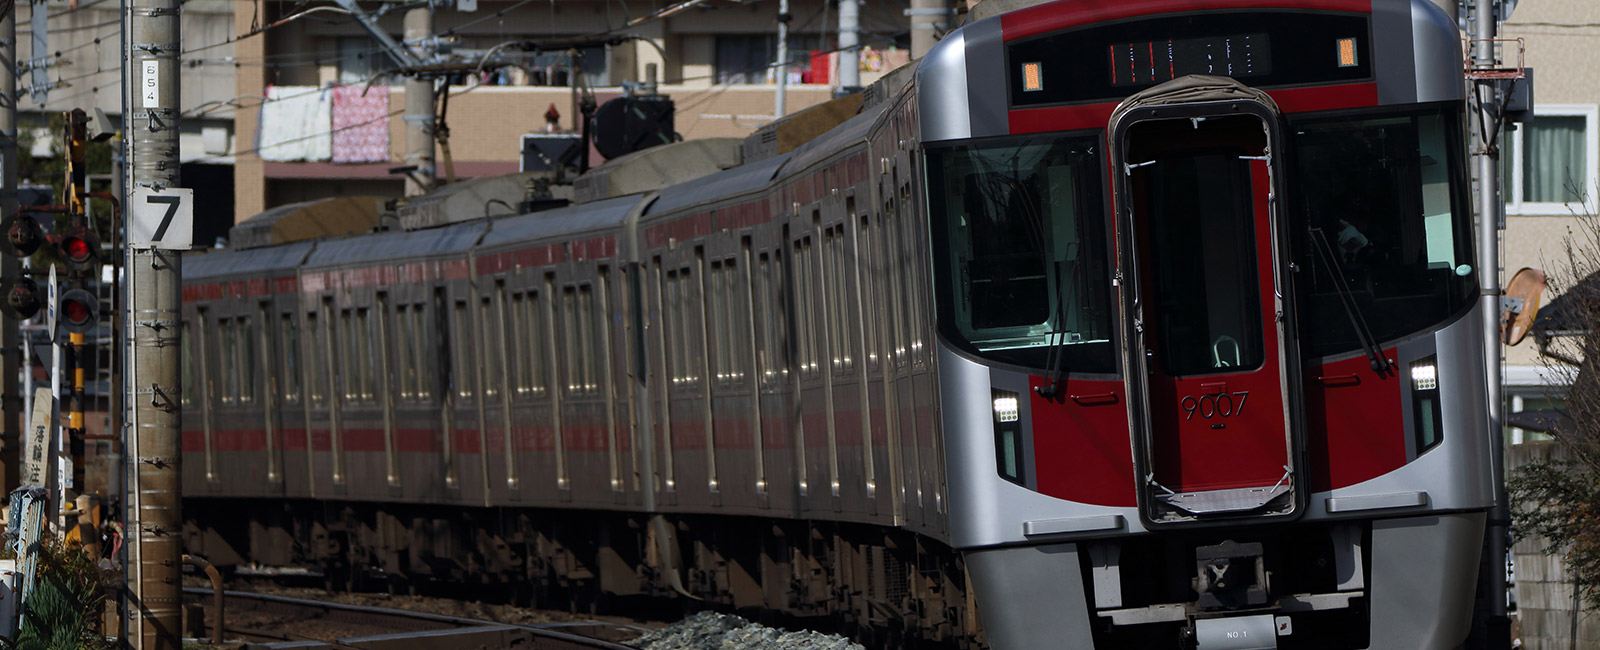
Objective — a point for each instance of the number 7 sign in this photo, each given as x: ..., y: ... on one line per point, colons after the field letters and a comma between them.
x: 162, y: 219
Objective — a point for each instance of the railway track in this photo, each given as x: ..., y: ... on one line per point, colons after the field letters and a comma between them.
x: 283, y: 622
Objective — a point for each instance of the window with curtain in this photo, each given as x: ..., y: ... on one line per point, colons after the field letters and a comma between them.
x: 1554, y: 165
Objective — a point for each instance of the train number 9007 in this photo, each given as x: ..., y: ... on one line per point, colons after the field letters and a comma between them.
x: 1214, y: 405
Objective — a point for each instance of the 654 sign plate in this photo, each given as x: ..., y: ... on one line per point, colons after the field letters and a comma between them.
x: 162, y: 219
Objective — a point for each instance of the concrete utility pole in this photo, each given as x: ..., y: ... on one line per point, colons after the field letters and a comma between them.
x: 780, y: 102
x: 849, y: 44
x: 10, y: 266
x: 1490, y: 205
x: 153, y: 523
x: 420, y: 101
x: 929, y: 20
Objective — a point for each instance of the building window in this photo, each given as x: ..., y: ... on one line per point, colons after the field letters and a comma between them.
x: 360, y: 58
x: 749, y: 58
x: 1549, y: 166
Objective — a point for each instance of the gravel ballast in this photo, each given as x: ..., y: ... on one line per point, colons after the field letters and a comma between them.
x: 713, y: 631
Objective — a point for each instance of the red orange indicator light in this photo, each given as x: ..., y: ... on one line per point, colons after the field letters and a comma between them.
x: 1032, y: 77
x: 1347, y: 52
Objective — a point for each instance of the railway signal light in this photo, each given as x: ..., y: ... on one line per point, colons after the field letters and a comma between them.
x: 79, y: 311
x: 22, y: 235
x: 79, y: 248
x: 21, y: 297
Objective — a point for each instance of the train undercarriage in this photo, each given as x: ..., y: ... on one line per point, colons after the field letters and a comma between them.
x: 886, y: 589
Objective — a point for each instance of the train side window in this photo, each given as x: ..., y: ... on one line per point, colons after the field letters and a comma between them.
x: 516, y: 348
x: 405, y: 352
x: 718, y: 326
x: 669, y: 324
x: 291, y: 358
x: 737, y: 326
x: 588, y: 341
x: 867, y: 277
x: 245, y: 362
x: 463, y: 351
x: 761, y: 297
x: 345, y: 344
x: 186, y: 361
x: 422, y: 354
x: 370, y: 351
x: 538, y: 333
x: 230, y: 377
x: 315, y: 378
x: 569, y: 339
x: 493, y: 359
x: 802, y: 310
x: 781, y: 312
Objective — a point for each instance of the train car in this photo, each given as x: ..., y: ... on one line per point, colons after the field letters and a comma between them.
x: 1117, y: 325
x: 1210, y: 353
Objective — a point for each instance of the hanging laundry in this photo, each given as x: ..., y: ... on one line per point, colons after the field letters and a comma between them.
x: 295, y: 124
x: 361, y: 124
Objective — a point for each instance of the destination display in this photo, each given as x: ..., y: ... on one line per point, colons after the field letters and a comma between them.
x: 1264, y: 49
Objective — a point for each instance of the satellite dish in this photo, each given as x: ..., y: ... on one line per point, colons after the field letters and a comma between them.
x: 1520, y: 304
x: 628, y: 124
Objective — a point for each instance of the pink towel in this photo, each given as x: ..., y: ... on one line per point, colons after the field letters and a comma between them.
x: 360, y: 124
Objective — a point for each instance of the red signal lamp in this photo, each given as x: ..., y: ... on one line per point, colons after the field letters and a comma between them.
x: 78, y: 311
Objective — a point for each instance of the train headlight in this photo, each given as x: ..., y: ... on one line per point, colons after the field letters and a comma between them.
x: 1005, y: 407
x: 1427, y: 430
x: 1425, y: 375
x: 1008, y: 443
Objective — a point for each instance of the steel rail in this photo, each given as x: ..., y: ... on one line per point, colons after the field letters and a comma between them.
x: 390, y: 615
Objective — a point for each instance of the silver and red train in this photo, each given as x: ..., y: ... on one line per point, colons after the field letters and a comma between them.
x: 1140, y: 324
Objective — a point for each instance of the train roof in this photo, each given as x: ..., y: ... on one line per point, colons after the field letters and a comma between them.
x: 286, y: 257
x: 854, y: 129
x: 398, y: 245
x: 720, y: 185
x: 600, y: 215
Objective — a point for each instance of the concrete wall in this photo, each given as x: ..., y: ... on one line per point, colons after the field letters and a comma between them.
x: 1544, y: 590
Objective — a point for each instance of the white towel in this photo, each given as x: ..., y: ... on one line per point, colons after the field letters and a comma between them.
x: 296, y: 124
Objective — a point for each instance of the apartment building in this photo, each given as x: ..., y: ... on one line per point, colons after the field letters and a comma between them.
x: 322, y: 72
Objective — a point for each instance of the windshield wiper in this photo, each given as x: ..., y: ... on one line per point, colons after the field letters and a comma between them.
x: 1347, y: 299
x: 1055, y: 385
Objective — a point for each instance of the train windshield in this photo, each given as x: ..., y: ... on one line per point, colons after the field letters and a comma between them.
x: 1020, y: 249
x: 1384, y: 197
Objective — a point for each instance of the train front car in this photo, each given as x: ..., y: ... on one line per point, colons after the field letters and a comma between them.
x: 1210, y: 354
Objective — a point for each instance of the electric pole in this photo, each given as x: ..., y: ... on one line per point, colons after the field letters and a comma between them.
x: 1485, y: 14
x: 419, y: 104
x: 849, y: 45
x: 11, y: 359
x: 153, y: 519
x: 780, y: 101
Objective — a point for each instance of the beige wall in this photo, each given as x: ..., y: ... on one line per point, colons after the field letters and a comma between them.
x: 1561, y: 50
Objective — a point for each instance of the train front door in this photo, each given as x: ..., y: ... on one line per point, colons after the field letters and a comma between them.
x: 1212, y: 365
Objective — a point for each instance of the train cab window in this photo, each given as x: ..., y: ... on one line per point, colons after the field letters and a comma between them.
x: 1019, y: 251
x: 291, y: 358
x: 1384, y: 196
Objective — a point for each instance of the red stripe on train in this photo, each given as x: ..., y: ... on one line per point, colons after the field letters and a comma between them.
x: 1065, y: 14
